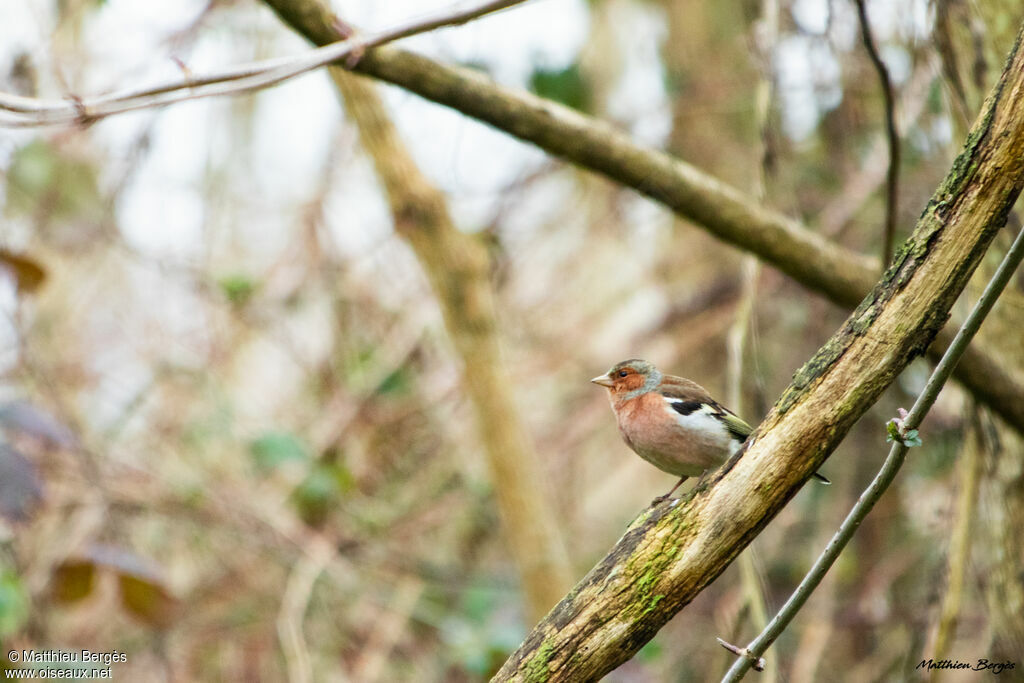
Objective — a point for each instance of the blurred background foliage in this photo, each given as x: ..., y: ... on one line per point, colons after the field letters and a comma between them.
x: 233, y: 428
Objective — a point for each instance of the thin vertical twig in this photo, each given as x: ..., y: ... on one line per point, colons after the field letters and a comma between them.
x: 388, y: 630
x: 766, y: 30
x: 892, y: 177
x: 858, y: 187
x: 960, y: 542
x: 890, y: 468
x: 291, y: 614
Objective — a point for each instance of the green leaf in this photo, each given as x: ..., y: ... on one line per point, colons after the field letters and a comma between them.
x: 320, y: 492
x: 892, y: 430
x: 13, y: 603
x: 651, y: 652
x: 144, y: 591
x: 398, y: 382
x: 276, y: 448
x: 911, y: 439
x: 237, y: 288
x: 479, y: 603
x: 562, y: 85
x: 43, y: 177
x: 146, y: 600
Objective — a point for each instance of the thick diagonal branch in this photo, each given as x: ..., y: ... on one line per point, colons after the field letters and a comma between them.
x: 839, y: 274
x: 667, y: 557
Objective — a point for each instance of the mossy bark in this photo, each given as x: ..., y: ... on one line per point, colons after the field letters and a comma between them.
x: 668, y: 556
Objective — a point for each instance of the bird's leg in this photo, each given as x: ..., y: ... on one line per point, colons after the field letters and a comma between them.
x: 703, y: 478
x: 661, y: 499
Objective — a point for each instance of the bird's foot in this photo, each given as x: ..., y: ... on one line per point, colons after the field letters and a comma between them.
x: 660, y: 499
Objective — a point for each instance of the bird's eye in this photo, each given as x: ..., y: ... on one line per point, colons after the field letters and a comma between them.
x: 623, y: 373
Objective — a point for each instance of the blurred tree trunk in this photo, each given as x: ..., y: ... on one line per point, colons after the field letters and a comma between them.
x: 1001, y: 519
x: 1000, y: 555
x: 969, y: 39
x: 458, y: 268
x: 961, y: 534
x: 694, y: 51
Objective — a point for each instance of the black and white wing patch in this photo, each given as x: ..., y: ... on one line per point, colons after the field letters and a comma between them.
x: 684, y: 407
x: 736, y: 427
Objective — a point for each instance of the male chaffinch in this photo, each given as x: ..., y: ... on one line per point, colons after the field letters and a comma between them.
x: 671, y: 422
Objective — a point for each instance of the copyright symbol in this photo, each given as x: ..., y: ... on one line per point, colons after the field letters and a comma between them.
x: 13, y: 655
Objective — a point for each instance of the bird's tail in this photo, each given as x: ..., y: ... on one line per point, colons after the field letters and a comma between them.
x: 823, y: 479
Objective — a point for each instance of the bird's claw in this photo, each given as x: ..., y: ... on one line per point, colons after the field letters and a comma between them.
x: 660, y: 499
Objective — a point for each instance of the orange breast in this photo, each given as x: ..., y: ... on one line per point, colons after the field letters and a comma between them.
x: 650, y: 427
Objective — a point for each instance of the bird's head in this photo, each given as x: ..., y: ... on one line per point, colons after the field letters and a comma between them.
x: 633, y: 375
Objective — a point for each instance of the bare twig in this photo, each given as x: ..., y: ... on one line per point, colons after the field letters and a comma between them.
x: 891, y: 466
x: 757, y: 663
x: 388, y: 630
x: 858, y: 187
x: 293, y: 608
x: 32, y: 112
x: 892, y: 178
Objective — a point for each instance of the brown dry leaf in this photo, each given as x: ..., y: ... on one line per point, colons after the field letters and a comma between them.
x: 26, y: 272
x: 73, y: 580
x: 148, y: 601
x: 144, y: 592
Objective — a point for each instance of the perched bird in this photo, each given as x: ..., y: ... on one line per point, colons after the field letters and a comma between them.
x: 671, y: 422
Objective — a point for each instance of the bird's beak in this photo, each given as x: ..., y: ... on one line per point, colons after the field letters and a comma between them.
x: 604, y: 381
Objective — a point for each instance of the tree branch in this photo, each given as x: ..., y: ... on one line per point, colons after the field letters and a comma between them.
x: 669, y: 554
x: 892, y: 177
x: 459, y: 269
x: 890, y: 468
x: 23, y: 112
x: 843, y: 276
